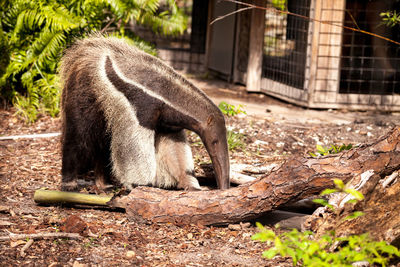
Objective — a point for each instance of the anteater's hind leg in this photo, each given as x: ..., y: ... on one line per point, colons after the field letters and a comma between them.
x: 174, y: 161
x: 73, y: 160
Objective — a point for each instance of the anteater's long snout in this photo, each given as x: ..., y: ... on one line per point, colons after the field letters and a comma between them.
x: 216, y: 144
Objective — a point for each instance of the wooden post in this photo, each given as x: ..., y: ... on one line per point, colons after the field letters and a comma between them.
x: 254, y: 66
x: 314, y: 50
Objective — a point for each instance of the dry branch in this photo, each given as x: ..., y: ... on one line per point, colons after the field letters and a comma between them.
x: 25, y: 247
x: 296, y: 179
x: 43, y: 196
x: 12, y: 236
x: 29, y: 136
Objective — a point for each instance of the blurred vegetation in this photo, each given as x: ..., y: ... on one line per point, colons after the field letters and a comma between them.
x: 390, y: 18
x: 33, y: 35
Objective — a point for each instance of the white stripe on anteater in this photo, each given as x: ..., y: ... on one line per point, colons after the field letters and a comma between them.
x: 132, y: 146
x: 144, y: 89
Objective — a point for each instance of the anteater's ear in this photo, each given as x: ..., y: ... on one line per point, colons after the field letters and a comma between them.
x: 210, y: 120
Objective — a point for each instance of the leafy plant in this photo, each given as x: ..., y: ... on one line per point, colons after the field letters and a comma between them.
x: 230, y: 110
x: 92, y: 242
x: 306, y: 251
x: 390, y: 18
x: 279, y: 4
x: 235, y: 140
x: 356, y: 196
x: 33, y: 35
x: 333, y: 149
x: 328, y: 250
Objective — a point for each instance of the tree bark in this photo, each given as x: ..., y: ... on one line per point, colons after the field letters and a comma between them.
x: 381, y: 189
x: 296, y: 179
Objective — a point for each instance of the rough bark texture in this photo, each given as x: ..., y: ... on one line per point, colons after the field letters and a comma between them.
x: 296, y: 179
x: 380, y: 184
x: 381, y: 217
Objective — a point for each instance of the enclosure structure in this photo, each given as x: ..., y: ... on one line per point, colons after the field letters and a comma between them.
x: 325, y: 66
x: 184, y: 52
x: 311, y: 60
x: 319, y: 65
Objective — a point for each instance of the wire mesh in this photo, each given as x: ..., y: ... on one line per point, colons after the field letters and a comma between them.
x: 285, y: 43
x: 370, y: 65
x: 186, y: 51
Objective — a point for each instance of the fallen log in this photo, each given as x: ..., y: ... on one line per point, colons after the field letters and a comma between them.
x: 381, y: 219
x: 296, y: 179
x: 380, y: 208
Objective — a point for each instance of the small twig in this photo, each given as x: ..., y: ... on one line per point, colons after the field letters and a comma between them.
x: 229, y: 14
x: 25, y: 247
x: 40, y: 236
x: 238, y: 178
x: 298, y: 139
x: 29, y: 136
x: 389, y: 179
x: 108, y: 24
x: 90, y: 234
x: 352, y: 18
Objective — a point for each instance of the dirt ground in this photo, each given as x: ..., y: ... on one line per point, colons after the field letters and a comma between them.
x: 270, y: 132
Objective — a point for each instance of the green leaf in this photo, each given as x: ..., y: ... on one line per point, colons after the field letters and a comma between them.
x: 356, y: 194
x: 339, y: 183
x: 313, y: 248
x: 313, y: 155
x: 389, y: 249
x: 260, y: 226
x: 270, y: 253
x: 321, y: 149
x: 328, y: 191
x: 354, y: 215
x: 321, y: 201
x: 352, y: 201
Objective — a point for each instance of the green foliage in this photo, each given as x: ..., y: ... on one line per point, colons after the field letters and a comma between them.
x: 235, y: 140
x: 279, y: 4
x: 356, y: 196
x: 306, y: 251
x: 33, y: 35
x: 230, y: 110
x: 390, y: 18
x: 333, y: 149
x: 4, y: 59
x: 328, y: 250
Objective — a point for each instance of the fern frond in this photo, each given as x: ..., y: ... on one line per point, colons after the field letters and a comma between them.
x: 47, y: 47
x: 148, y: 5
x: 54, y: 17
x: 165, y: 23
x: 16, y: 66
x: 49, y: 89
x: 119, y: 8
x: 37, y: 31
x: 59, y: 18
x: 27, y: 20
x: 28, y: 77
x: 12, y: 11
